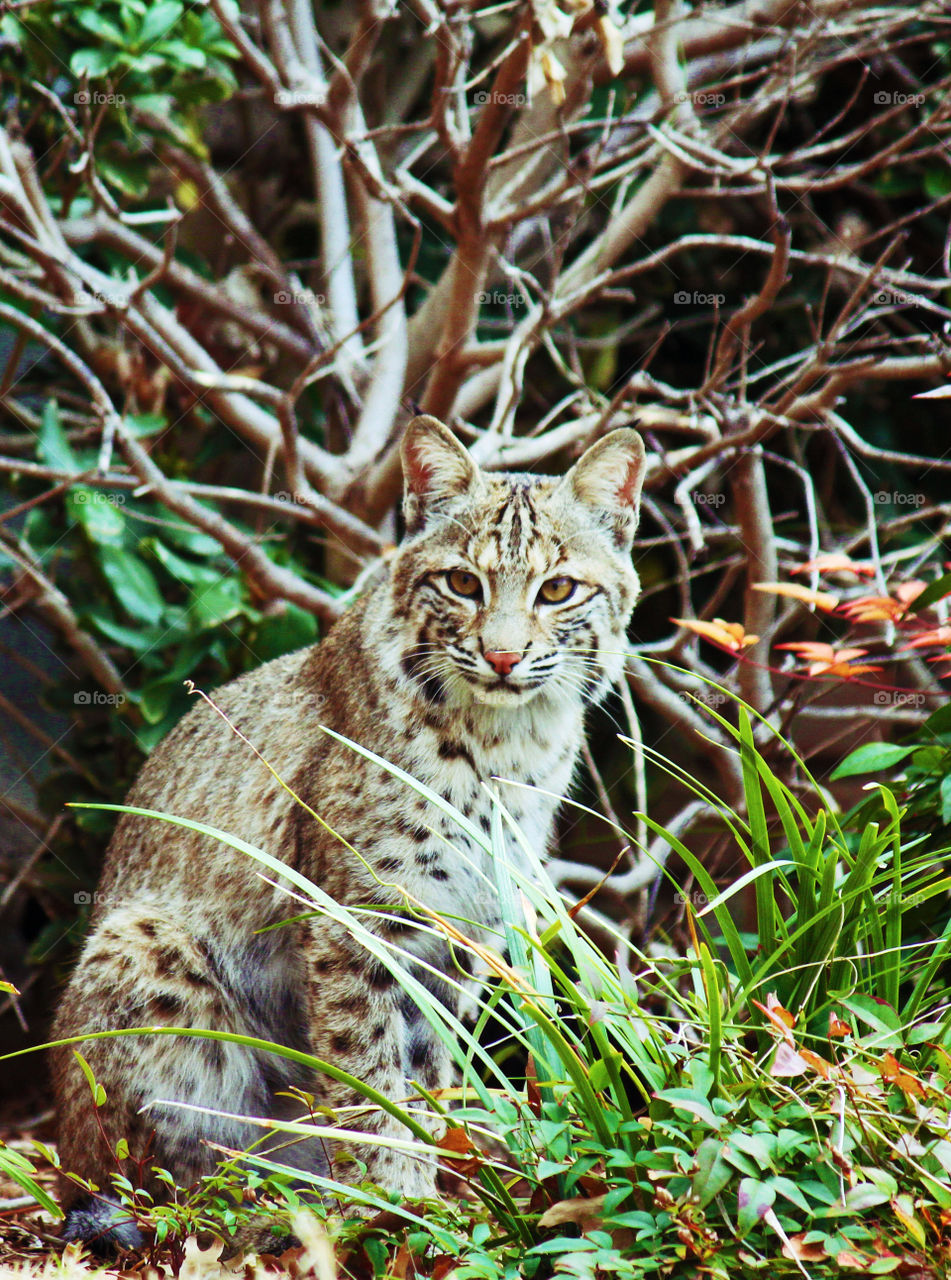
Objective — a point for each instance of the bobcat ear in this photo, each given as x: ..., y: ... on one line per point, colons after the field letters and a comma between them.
x: 436, y: 467
x: 608, y: 478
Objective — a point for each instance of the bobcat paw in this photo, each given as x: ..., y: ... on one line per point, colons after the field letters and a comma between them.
x: 103, y: 1226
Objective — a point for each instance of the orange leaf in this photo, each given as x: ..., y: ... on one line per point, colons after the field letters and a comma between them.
x: 828, y: 661
x: 821, y: 599
x: 837, y: 1027
x: 796, y: 1247
x: 854, y: 1261
x: 781, y: 1018
x: 909, y: 591
x: 937, y: 635
x: 818, y: 1064
x: 842, y: 669
x: 729, y: 635
x: 833, y: 563
x: 894, y: 1073
x: 872, y: 609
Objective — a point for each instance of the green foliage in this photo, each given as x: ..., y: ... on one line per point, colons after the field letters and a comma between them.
x: 790, y: 1099
x: 926, y: 772
x: 163, y: 57
x: 160, y: 591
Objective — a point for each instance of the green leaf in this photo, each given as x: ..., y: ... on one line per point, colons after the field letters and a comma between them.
x: 282, y: 632
x: 753, y: 1200
x: 760, y: 1147
x: 100, y: 515
x: 138, y: 639
x: 688, y: 1100
x: 209, y: 606
x: 128, y: 174
x: 94, y: 63
x: 185, y: 570
x: 938, y: 589
x: 883, y: 1020
x: 182, y: 53
x: 94, y: 22
x: 713, y: 1172
x: 940, y: 721
x: 870, y: 758
x: 133, y: 584
x: 159, y: 19
x: 864, y: 1195
x: 54, y: 448
x: 156, y: 698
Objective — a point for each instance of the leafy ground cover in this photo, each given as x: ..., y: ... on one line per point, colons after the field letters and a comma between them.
x: 771, y: 1101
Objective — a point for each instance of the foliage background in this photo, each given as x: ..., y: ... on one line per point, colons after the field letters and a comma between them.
x: 241, y: 245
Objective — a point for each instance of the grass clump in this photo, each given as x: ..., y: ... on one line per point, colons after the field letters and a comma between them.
x: 773, y: 1102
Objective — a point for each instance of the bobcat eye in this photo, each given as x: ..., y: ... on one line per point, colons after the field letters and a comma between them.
x: 557, y: 590
x: 464, y: 584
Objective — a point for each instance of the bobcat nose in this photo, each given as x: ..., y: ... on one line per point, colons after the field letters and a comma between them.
x: 502, y: 661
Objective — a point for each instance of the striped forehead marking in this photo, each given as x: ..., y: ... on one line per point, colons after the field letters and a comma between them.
x: 513, y: 536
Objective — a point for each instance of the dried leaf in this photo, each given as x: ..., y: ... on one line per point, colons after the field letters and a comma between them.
x: 854, y: 1261
x: 799, y: 1250
x: 788, y: 1062
x: 837, y: 1027
x: 612, y: 45
x: 781, y: 1018
x: 821, y: 599
x: 819, y: 1065
x: 894, y: 1073
x: 583, y: 1210
x: 467, y: 1158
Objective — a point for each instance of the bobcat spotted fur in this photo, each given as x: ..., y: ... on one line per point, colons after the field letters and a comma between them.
x: 473, y: 655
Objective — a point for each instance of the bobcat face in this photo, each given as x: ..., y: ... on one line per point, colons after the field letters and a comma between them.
x: 513, y: 586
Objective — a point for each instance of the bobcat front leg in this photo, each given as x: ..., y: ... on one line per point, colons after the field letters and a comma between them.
x: 363, y: 1022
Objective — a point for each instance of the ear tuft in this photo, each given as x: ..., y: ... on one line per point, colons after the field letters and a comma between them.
x: 436, y: 468
x: 608, y: 479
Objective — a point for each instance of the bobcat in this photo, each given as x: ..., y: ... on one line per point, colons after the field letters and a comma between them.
x: 472, y: 655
